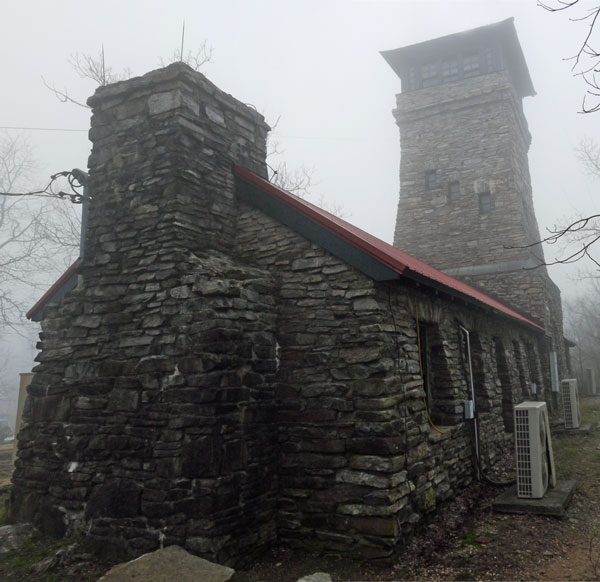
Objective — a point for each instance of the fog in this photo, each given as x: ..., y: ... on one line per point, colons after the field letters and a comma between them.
x: 311, y: 66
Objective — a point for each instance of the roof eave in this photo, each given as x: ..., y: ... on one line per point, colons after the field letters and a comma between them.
x: 350, y: 248
x: 63, y: 284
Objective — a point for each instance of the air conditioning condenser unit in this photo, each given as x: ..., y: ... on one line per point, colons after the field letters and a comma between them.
x: 533, y: 449
x: 570, y: 403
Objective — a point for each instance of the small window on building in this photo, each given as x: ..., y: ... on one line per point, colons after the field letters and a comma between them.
x: 425, y: 337
x: 429, y: 74
x: 490, y: 61
x: 450, y: 70
x: 412, y: 79
x: 471, y: 65
x: 440, y: 398
x: 453, y: 190
x: 430, y: 179
x: 485, y: 202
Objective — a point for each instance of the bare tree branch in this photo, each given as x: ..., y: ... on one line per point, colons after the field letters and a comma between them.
x: 63, y: 96
x: 579, y: 237
x: 95, y: 69
x: 195, y: 59
x: 586, y: 61
x: 36, y: 239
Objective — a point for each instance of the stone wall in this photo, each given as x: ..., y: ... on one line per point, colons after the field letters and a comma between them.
x: 360, y: 464
x: 219, y: 382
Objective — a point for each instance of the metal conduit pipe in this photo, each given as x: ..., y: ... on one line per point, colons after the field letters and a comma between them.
x: 475, y: 427
x: 480, y: 472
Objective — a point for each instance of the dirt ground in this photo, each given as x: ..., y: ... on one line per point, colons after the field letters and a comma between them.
x: 465, y: 540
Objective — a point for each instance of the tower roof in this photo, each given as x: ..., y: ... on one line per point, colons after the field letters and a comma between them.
x: 501, y: 33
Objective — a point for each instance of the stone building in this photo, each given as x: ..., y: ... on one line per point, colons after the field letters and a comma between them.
x: 464, y: 176
x: 236, y: 366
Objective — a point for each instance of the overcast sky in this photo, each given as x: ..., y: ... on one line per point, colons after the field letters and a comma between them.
x: 315, y: 66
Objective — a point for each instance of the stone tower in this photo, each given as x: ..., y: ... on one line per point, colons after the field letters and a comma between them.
x: 466, y: 203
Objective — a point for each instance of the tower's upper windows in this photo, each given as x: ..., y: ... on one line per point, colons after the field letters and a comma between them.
x: 471, y: 65
x: 429, y: 75
x: 450, y: 70
x: 446, y: 70
x: 454, y: 57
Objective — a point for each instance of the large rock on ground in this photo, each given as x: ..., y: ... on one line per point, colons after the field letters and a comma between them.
x: 12, y: 536
x: 171, y: 564
x: 316, y: 577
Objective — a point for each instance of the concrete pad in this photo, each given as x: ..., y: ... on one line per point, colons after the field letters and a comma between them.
x: 582, y: 430
x: 555, y: 502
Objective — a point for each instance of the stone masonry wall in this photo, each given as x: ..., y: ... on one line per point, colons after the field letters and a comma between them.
x: 537, y: 294
x: 360, y: 464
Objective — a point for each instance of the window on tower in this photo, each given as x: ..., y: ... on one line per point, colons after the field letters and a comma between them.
x: 430, y: 179
x: 471, y: 65
x: 485, y: 202
x: 453, y: 190
x: 413, y: 81
x: 450, y: 71
x: 429, y: 75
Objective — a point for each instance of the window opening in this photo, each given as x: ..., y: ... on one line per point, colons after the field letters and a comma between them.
x: 532, y: 363
x: 425, y: 362
x: 520, y: 367
x: 471, y: 65
x: 430, y: 179
x: 440, y: 396
x: 453, y: 190
x: 450, y: 70
x: 489, y: 59
x: 505, y: 385
x: 479, y: 373
x: 485, y: 202
x: 412, y: 78
x: 429, y: 74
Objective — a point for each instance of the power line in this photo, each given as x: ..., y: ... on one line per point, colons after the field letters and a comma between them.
x: 40, y: 128
x: 76, y: 178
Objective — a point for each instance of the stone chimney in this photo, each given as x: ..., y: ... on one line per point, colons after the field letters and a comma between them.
x: 160, y: 168
x: 145, y: 421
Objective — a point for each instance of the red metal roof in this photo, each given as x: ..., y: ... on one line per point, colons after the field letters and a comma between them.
x: 397, y: 260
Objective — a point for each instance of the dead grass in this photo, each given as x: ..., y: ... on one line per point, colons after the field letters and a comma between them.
x: 6, y: 467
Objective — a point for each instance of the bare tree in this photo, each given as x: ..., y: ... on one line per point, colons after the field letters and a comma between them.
x: 586, y: 61
x: 88, y: 67
x: 582, y: 323
x: 576, y: 239
x: 298, y: 181
x: 30, y: 258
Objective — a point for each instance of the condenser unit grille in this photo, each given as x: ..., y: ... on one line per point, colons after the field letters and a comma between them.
x: 567, y: 406
x: 523, y: 451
